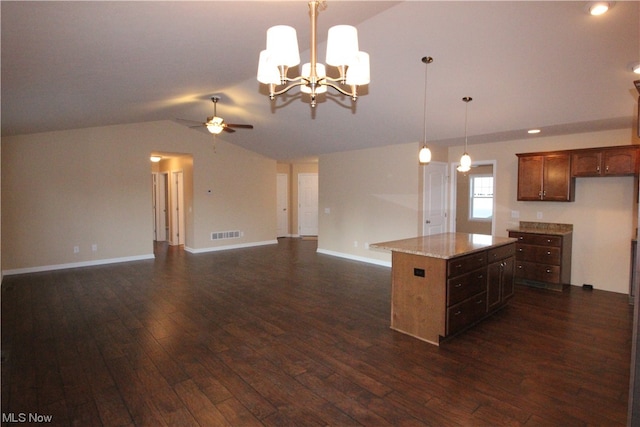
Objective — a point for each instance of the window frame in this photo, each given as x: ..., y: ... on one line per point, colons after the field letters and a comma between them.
x: 472, y: 198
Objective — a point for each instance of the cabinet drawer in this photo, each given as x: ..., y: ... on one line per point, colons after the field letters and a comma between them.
x: 466, y: 285
x: 501, y: 252
x: 537, y: 239
x: 539, y: 254
x: 538, y: 272
x: 466, y: 264
x: 465, y: 313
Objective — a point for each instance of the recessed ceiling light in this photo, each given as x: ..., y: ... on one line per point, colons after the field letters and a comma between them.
x: 155, y: 159
x: 597, y: 8
x: 532, y: 131
x: 636, y: 68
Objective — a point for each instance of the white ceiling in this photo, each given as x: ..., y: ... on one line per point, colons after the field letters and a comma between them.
x: 526, y: 64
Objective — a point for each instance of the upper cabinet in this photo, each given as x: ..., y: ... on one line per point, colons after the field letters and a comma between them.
x: 550, y: 176
x: 607, y: 161
x: 545, y: 177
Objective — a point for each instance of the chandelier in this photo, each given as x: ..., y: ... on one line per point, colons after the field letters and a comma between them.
x: 342, y: 53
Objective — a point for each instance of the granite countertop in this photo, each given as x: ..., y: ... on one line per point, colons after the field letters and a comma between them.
x: 445, y: 245
x: 543, y: 228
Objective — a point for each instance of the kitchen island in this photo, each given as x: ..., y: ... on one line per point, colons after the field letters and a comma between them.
x: 445, y: 283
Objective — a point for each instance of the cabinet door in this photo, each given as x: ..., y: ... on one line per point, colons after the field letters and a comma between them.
x: 557, y: 182
x: 500, y: 277
x: 530, y: 177
x: 494, y: 276
x: 508, y: 277
x: 621, y: 161
x: 588, y: 163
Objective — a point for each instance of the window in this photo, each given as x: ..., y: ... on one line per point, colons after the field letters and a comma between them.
x: 481, y: 200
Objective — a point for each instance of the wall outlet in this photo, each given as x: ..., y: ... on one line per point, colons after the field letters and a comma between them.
x: 76, y: 249
x: 355, y: 243
x: 515, y: 214
x: 94, y: 247
x: 539, y: 215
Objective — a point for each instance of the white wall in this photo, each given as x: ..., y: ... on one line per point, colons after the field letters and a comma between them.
x: 374, y: 195
x: 93, y: 186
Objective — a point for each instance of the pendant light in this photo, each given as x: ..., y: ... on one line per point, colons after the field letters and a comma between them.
x: 465, y: 160
x: 424, y: 156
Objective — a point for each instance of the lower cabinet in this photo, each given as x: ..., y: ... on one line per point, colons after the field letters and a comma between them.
x: 434, y: 298
x: 543, y: 259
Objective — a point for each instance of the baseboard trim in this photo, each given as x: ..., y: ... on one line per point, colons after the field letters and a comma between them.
x: 75, y: 265
x: 227, y: 247
x: 355, y: 257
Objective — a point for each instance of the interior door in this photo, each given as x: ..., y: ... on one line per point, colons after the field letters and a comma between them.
x: 160, y: 206
x: 435, y: 191
x: 177, y: 208
x: 282, y: 204
x: 308, y: 204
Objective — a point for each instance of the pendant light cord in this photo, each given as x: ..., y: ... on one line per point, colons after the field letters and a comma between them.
x: 466, y: 99
x: 427, y: 60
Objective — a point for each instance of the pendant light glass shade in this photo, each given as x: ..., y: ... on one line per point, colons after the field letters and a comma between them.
x: 342, y: 45
x: 424, y: 156
x: 465, y: 163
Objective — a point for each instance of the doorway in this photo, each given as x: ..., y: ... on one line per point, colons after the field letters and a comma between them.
x: 308, y: 204
x: 473, y: 197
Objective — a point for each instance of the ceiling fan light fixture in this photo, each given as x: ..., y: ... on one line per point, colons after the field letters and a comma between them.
x: 214, y: 125
x: 636, y: 68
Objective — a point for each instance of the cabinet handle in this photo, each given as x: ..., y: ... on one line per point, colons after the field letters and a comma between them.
x: 598, y: 168
x: 520, y: 250
x: 458, y: 285
x: 548, y: 270
x: 480, y: 276
x: 457, y: 313
x: 606, y: 169
x: 548, y: 240
x: 521, y: 238
x: 479, y: 301
x: 520, y: 267
x: 548, y: 252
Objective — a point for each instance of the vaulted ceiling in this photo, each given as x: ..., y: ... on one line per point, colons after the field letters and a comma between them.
x: 526, y: 64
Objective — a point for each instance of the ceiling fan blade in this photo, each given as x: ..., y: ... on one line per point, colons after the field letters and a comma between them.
x: 239, y: 126
x: 226, y: 128
x: 188, y: 122
x: 637, y: 83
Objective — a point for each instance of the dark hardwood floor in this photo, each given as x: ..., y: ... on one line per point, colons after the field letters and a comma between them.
x: 282, y: 336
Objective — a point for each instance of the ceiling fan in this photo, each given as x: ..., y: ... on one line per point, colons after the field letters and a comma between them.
x: 215, y: 124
